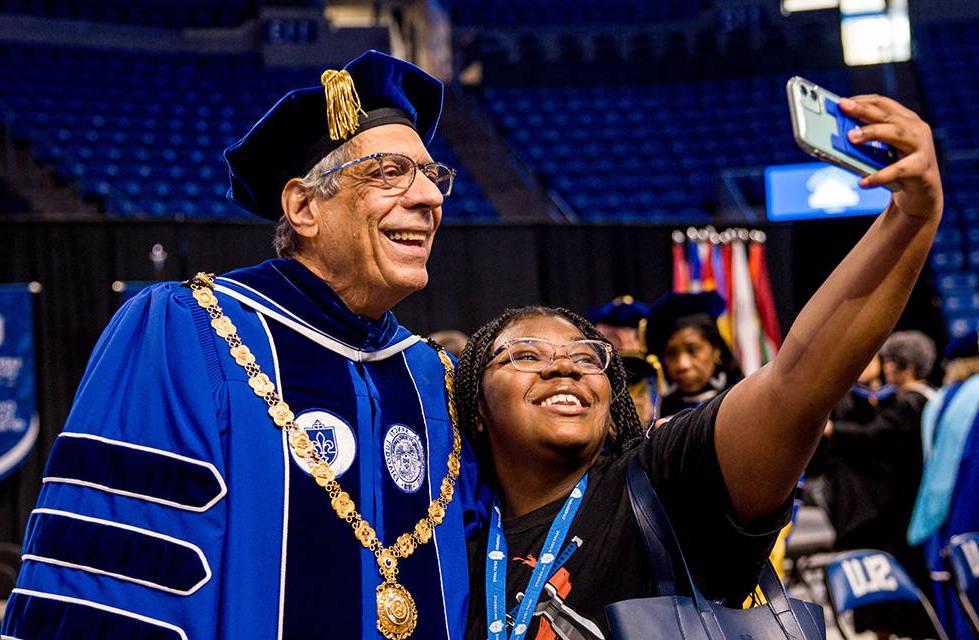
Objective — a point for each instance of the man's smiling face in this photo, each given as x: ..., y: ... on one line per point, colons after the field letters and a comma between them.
x: 374, y: 238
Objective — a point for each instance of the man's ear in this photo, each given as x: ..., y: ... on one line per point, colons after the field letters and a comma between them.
x: 297, y: 205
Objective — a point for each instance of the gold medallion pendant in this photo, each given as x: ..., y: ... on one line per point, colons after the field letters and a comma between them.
x: 396, y: 611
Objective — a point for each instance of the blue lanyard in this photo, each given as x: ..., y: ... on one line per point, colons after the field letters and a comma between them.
x: 496, y: 559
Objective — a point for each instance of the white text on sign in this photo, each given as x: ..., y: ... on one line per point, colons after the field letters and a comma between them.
x: 869, y: 574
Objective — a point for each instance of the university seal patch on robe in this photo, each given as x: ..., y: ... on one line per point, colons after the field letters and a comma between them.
x: 404, y: 455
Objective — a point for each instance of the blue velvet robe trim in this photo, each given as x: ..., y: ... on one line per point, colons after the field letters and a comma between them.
x: 42, y: 618
x: 116, y: 550
x: 145, y: 473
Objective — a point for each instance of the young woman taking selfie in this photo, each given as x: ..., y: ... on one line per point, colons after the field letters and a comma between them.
x: 544, y: 401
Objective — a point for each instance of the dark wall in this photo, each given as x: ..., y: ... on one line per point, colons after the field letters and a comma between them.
x: 475, y: 272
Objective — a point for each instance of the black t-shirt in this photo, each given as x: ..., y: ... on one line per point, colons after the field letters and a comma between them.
x: 612, y: 563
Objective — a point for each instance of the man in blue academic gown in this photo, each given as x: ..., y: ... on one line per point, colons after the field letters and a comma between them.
x: 177, y: 504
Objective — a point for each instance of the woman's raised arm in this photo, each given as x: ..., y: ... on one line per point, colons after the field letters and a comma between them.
x: 769, y: 424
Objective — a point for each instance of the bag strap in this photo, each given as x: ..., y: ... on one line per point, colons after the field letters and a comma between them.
x: 664, y: 549
x: 661, y: 541
x: 778, y: 602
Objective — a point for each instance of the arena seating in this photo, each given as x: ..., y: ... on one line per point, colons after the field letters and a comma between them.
x: 947, y: 55
x: 166, y: 14
x: 555, y: 12
x: 144, y: 132
x: 649, y: 153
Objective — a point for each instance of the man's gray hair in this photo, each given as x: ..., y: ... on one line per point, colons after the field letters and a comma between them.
x: 286, y: 241
x: 910, y: 350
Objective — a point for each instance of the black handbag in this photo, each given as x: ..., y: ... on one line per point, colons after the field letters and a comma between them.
x: 694, y: 617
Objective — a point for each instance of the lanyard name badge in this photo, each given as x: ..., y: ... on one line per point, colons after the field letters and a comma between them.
x: 496, y: 555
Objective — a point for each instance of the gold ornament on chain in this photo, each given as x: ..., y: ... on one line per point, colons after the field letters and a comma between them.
x: 397, y: 614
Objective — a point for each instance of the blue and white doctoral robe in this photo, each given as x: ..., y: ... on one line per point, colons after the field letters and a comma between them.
x: 172, y: 507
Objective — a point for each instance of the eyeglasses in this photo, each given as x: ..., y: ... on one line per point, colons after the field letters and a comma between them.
x: 533, y: 355
x: 395, y: 171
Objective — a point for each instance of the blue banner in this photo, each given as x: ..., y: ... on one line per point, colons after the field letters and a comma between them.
x: 18, y: 396
x: 819, y: 190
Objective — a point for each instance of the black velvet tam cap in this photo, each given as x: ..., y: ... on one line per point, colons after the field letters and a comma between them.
x: 306, y: 124
x: 675, y: 311
x: 624, y: 311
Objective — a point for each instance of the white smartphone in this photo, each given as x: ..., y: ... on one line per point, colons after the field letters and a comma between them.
x: 820, y: 128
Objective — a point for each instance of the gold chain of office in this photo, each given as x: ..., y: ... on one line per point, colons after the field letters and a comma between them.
x: 397, y: 614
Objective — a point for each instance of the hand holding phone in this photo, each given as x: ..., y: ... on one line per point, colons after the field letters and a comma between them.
x: 874, y: 136
x: 821, y: 128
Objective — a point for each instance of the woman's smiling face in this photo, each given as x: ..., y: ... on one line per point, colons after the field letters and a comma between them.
x: 558, y: 414
x: 690, y: 359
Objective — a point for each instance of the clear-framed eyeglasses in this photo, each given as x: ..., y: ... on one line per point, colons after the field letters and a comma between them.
x: 533, y: 355
x: 396, y: 171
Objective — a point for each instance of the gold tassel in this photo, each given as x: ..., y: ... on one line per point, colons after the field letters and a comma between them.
x: 660, y: 375
x: 342, y: 104
x: 651, y: 358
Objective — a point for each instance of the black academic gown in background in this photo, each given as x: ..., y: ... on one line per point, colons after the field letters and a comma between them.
x: 677, y: 400
x: 873, y: 469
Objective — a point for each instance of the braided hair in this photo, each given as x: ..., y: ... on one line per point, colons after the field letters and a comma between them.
x: 625, y: 429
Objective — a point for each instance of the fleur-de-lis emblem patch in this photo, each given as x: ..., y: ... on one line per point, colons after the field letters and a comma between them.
x: 333, y: 440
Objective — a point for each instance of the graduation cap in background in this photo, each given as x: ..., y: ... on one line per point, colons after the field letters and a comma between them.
x: 674, y: 311
x: 306, y: 124
x: 627, y: 312
x: 624, y: 311
x: 966, y: 346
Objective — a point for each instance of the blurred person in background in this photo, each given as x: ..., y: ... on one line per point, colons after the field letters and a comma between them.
x: 874, y: 467
x: 832, y: 478
x: 618, y: 320
x: 622, y: 321
x: 699, y: 365
x: 948, y: 499
x: 452, y: 340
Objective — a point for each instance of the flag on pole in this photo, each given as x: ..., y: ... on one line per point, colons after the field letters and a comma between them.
x: 737, y: 270
x: 681, y: 271
x: 721, y: 286
x: 747, y: 326
x: 771, y: 334
x: 717, y: 269
x: 707, y: 262
x: 693, y: 259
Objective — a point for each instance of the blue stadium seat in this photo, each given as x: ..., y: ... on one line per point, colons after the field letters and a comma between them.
x: 963, y: 560
x: 157, y: 13
x: 943, y: 261
x: 653, y: 152
x: 868, y: 577
x: 139, y: 131
x: 960, y: 325
x: 961, y: 304
x: 958, y: 283
x: 948, y: 238
x: 946, y: 55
